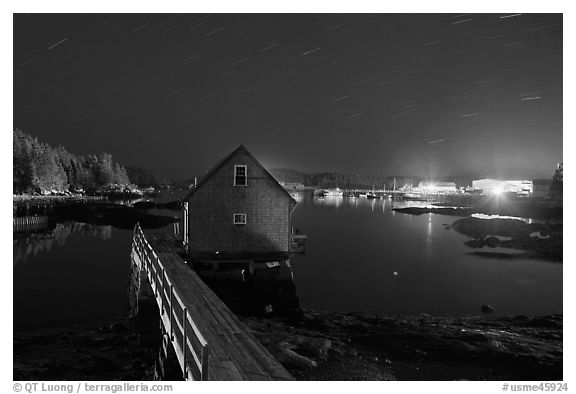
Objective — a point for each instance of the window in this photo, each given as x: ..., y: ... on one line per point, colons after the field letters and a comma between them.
x: 239, y: 218
x: 240, y: 175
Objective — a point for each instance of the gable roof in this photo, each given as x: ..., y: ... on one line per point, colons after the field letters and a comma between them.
x: 223, y: 161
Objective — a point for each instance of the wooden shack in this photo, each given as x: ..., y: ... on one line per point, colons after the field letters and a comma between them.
x: 238, y: 212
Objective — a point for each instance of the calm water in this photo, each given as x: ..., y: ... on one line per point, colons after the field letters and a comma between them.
x: 363, y: 256
x: 360, y: 256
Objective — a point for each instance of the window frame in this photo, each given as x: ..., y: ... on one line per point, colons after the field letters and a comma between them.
x: 236, y: 166
x: 240, y: 223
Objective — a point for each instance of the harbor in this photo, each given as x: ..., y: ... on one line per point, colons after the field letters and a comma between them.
x: 287, y: 197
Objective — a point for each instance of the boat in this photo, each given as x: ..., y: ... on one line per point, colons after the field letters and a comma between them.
x: 371, y: 195
x: 334, y: 192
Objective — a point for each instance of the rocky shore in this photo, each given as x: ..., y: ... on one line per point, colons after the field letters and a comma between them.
x: 542, y: 239
x: 350, y: 346
x: 111, y: 350
x: 93, y: 211
x: 319, y: 346
x: 536, y: 240
x: 541, y: 209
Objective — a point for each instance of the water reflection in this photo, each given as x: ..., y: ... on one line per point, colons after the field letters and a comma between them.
x: 34, y: 243
x: 354, y: 245
x: 263, y: 288
x: 74, y: 273
x: 374, y: 204
x: 329, y: 201
x: 361, y: 256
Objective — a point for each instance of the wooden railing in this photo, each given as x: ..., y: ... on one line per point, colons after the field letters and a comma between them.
x: 23, y: 223
x: 189, y: 345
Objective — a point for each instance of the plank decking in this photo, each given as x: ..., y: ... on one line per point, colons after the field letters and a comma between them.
x: 217, y: 346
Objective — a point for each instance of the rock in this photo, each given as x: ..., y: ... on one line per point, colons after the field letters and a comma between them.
x: 290, y: 358
x: 487, y: 309
x: 475, y: 243
x: 351, y: 352
x: 117, y: 327
x: 491, y: 242
x: 521, y: 318
x: 546, y: 322
x: 316, y: 347
x: 480, y: 228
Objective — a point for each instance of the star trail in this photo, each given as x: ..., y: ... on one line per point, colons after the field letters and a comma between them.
x: 381, y: 94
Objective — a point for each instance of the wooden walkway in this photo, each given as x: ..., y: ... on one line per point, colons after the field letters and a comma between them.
x: 209, y: 340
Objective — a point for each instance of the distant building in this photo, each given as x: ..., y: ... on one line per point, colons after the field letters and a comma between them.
x: 239, y: 212
x: 496, y: 186
x: 437, y: 187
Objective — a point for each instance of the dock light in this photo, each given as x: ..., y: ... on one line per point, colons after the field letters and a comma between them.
x: 498, y: 190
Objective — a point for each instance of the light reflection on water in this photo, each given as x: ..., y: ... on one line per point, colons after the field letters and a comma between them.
x: 361, y: 256
x: 355, y: 244
x: 38, y: 242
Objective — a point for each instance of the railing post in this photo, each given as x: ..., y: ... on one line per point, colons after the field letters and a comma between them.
x: 204, y: 362
x: 184, y: 342
x: 162, y: 290
x: 171, y: 312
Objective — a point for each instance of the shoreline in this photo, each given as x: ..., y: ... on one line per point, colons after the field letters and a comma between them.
x: 352, y: 346
x: 89, y: 209
x: 318, y: 346
x: 104, y: 350
x: 548, y: 210
x: 20, y: 198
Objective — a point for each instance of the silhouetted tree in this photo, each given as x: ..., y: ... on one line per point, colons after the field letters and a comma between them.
x: 556, y: 187
x: 145, y: 178
x: 38, y: 166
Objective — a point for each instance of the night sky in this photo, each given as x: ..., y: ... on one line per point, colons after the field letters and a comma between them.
x: 427, y: 95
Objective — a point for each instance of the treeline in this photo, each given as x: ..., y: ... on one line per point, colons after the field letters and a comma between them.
x: 38, y: 167
x: 345, y: 181
x: 557, y: 184
x: 356, y: 181
x: 146, y: 178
